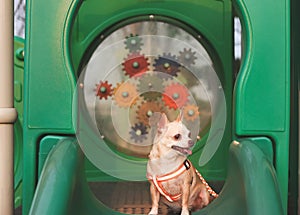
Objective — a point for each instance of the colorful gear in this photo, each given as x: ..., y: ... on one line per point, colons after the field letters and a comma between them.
x: 103, y: 90
x: 146, y: 110
x: 125, y: 94
x: 133, y: 43
x: 187, y: 57
x: 138, y: 132
x: 135, y: 64
x: 190, y: 112
x: 150, y: 86
x: 167, y: 66
x: 175, y: 96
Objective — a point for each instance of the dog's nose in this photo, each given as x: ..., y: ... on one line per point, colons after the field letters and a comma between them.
x: 191, y: 143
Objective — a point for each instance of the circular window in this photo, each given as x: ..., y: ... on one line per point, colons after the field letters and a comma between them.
x: 136, y: 73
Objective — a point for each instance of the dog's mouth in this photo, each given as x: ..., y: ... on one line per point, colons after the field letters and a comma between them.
x: 183, y: 150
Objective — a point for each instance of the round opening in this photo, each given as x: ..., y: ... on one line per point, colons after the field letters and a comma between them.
x: 139, y: 71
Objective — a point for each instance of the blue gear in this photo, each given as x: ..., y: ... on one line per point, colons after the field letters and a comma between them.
x: 139, y: 132
x: 167, y: 66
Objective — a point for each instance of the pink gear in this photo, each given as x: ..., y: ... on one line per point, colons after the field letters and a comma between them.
x: 175, y: 96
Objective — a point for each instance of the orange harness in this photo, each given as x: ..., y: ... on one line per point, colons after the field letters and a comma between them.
x: 157, y: 180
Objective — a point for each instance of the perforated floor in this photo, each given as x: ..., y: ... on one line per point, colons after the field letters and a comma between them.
x: 126, y: 197
x: 132, y: 197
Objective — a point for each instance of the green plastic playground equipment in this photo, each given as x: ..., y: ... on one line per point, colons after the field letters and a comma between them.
x: 254, y: 106
x: 239, y: 195
x: 18, y: 130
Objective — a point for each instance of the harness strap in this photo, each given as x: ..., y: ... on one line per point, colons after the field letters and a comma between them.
x: 169, y: 197
x: 157, y: 180
x: 181, y: 169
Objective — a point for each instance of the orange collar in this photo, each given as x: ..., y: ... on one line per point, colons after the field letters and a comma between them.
x: 157, y: 180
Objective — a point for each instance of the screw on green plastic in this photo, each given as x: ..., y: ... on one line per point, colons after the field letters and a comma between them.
x: 20, y: 54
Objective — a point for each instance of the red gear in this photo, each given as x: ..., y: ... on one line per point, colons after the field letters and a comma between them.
x: 103, y: 90
x: 175, y: 96
x: 135, y: 64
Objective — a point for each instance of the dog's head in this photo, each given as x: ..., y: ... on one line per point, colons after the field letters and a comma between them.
x: 173, y: 136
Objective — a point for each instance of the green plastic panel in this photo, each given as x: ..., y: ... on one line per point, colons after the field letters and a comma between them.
x: 18, y: 129
x: 49, y: 83
x: 262, y: 90
x: 262, y: 87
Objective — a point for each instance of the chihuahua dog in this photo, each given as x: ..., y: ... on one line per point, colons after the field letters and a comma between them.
x: 169, y: 172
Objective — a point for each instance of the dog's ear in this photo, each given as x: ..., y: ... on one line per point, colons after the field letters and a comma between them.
x: 162, y: 122
x: 154, y: 119
x: 180, y: 116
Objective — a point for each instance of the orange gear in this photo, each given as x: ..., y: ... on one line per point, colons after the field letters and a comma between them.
x: 190, y: 112
x: 146, y: 110
x: 135, y: 64
x: 175, y: 96
x: 103, y: 90
x: 125, y: 94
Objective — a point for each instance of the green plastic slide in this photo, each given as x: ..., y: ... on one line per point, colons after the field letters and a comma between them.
x: 250, y: 188
x: 62, y: 187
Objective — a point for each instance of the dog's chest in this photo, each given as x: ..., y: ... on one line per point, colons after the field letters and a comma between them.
x: 175, y: 185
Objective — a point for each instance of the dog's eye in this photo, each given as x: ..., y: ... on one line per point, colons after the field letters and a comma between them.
x: 190, y: 135
x: 177, y: 136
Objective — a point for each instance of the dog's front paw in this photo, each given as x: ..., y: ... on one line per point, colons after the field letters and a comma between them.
x: 185, y: 211
x: 154, y: 211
